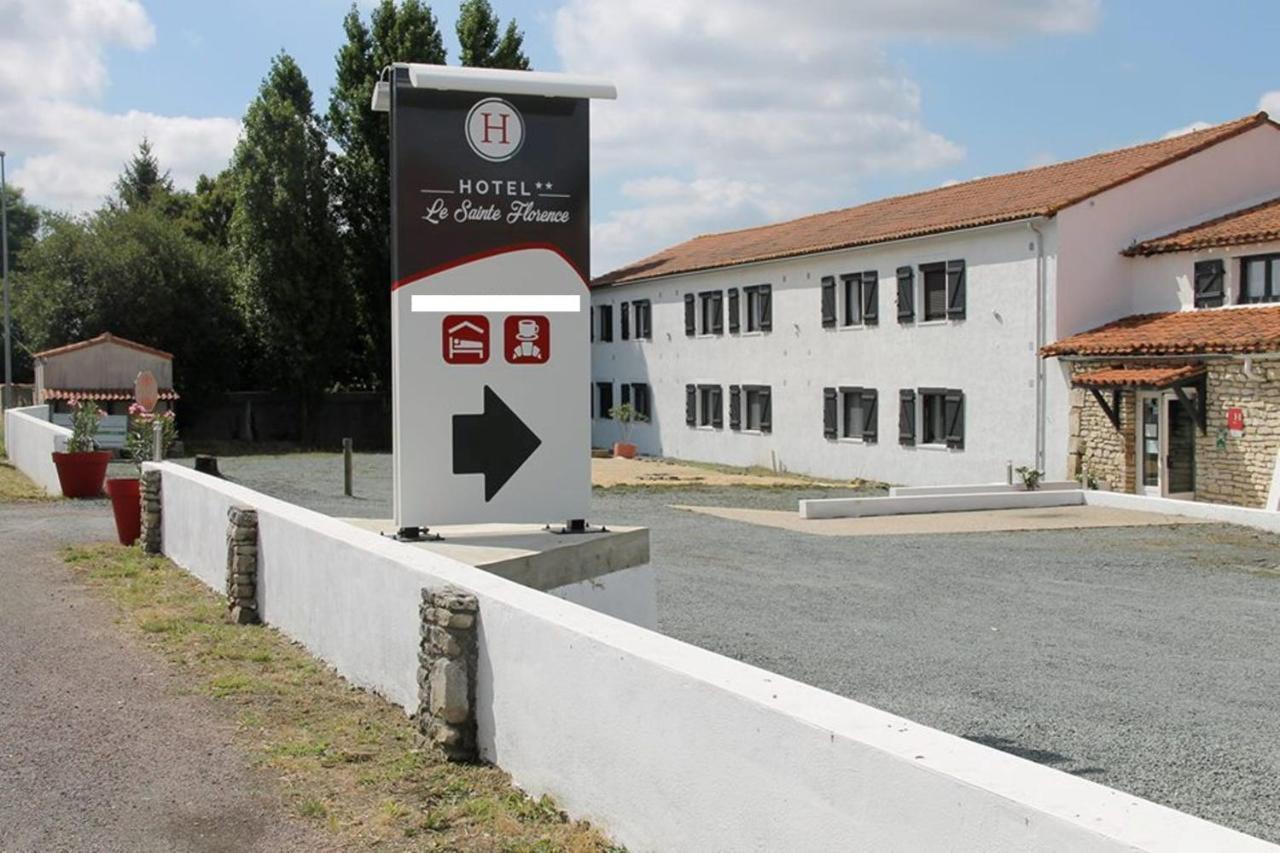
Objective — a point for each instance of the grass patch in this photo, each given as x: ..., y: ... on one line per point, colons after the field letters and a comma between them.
x: 348, y: 761
x: 15, y: 487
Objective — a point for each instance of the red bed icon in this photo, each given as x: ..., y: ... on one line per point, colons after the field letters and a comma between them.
x: 465, y: 338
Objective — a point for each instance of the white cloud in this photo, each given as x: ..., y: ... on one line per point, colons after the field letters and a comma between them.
x: 744, y: 112
x: 1187, y: 128
x: 1270, y: 103
x: 65, y: 152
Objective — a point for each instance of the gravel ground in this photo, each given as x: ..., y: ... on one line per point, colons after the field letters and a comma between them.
x: 97, y: 749
x: 1141, y: 658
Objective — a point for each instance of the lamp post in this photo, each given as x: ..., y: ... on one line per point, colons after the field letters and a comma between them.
x: 4, y: 273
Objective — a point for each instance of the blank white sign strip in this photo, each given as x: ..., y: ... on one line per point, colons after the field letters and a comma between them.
x: 495, y: 303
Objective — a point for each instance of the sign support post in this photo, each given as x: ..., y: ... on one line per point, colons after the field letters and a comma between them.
x: 490, y: 245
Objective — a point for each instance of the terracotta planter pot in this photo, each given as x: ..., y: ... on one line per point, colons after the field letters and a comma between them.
x: 81, y: 474
x: 126, y: 505
x: 625, y: 449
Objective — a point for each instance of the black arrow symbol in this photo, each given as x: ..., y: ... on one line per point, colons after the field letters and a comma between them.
x: 495, y: 443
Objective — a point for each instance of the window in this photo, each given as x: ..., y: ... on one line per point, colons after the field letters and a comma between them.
x: 1260, y: 278
x: 860, y: 298
x: 643, y: 311
x: 624, y: 321
x: 759, y: 307
x: 606, y: 323
x: 941, y: 417
x: 640, y: 399
x: 757, y: 405
x: 850, y: 413
x: 711, y: 312
x: 934, y: 291
x: 604, y: 400
x: 704, y: 406
x: 1210, y: 291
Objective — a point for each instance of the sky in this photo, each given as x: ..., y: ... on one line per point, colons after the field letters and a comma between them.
x: 730, y: 113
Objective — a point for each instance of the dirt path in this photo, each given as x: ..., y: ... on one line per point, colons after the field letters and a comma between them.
x: 98, y: 751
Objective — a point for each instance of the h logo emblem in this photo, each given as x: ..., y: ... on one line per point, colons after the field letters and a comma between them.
x: 495, y: 130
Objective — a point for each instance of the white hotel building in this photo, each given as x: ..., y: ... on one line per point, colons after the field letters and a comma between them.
x: 901, y: 340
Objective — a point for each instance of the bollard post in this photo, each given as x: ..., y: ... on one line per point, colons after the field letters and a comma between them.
x: 346, y: 467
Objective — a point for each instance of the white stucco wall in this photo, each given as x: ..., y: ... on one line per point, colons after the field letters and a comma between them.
x: 663, y: 745
x: 30, y: 440
x: 990, y: 355
x: 1095, y: 277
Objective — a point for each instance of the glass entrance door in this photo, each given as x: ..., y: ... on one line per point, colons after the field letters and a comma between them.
x: 1166, y: 446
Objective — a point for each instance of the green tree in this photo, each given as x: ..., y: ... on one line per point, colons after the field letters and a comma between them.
x: 24, y: 224
x: 207, y: 216
x: 136, y: 274
x: 284, y: 241
x: 478, y: 38
x: 142, y: 182
x: 404, y: 33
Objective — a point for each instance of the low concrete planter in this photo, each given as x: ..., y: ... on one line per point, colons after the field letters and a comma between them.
x: 914, y: 504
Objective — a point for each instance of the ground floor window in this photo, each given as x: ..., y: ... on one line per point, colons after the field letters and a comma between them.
x: 637, y: 395
x: 604, y: 399
x: 931, y: 417
x: 757, y: 406
x: 704, y: 405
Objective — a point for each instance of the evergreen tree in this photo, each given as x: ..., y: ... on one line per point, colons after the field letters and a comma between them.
x: 478, y: 37
x: 284, y: 242
x: 404, y: 33
x: 142, y: 182
x: 207, y: 216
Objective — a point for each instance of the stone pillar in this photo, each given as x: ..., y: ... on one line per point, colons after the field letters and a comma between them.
x: 151, y: 509
x: 242, y: 565
x: 446, y: 670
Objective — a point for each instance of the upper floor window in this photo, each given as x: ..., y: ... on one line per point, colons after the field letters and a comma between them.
x: 711, y: 312
x: 1260, y: 278
x: 606, y: 323
x: 643, y: 311
x: 1210, y: 289
x: 855, y: 303
x: 759, y: 300
x: 624, y: 321
x: 942, y: 292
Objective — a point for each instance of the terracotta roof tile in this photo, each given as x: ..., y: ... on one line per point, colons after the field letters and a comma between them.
x: 1256, y: 224
x: 1002, y: 198
x: 1142, y: 377
x: 104, y: 338
x: 1217, y: 330
x: 101, y: 394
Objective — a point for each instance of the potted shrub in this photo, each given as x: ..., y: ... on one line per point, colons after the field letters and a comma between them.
x: 139, y: 443
x: 82, y: 467
x: 626, y: 415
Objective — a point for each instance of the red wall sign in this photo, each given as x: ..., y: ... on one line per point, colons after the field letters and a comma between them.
x: 1235, y: 421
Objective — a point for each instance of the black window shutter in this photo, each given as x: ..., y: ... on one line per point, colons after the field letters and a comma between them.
x: 766, y: 307
x: 870, y: 298
x: 735, y: 408
x: 691, y: 404
x: 1210, y: 290
x: 870, y: 416
x: 625, y: 391
x: 625, y: 320
x: 955, y: 290
x: 828, y: 302
x: 829, y: 412
x: 954, y: 418
x: 592, y: 323
x: 606, y: 323
x: 690, y: 314
x: 906, y: 294
x: 717, y: 407
x: 766, y: 409
x: 648, y: 321
x: 733, y: 310
x: 906, y: 416
x: 717, y: 313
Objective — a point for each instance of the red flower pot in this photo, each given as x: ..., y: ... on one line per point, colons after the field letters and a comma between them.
x: 625, y: 449
x: 81, y: 474
x: 126, y: 504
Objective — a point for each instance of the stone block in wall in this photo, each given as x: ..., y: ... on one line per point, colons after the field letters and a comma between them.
x: 242, y: 565
x: 152, y: 506
x: 446, y: 671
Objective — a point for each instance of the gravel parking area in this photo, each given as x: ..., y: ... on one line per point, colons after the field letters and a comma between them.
x: 1142, y: 658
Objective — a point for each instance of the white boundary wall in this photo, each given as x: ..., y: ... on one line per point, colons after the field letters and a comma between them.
x: 1260, y: 519
x: 981, y: 489
x: 29, y: 441
x: 915, y: 504
x: 663, y: 745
